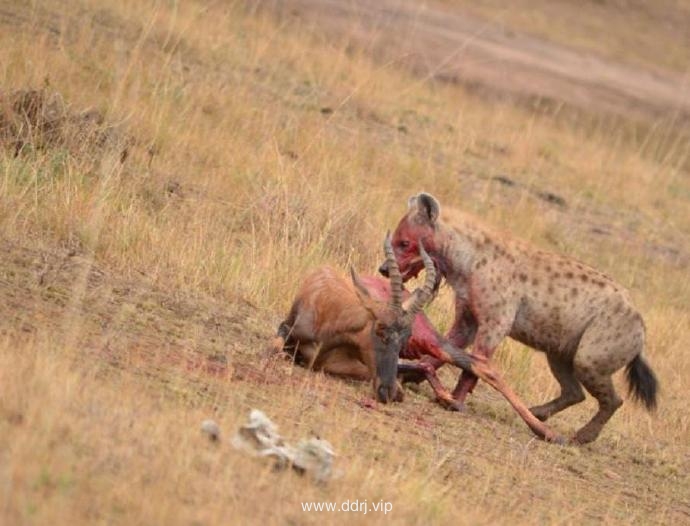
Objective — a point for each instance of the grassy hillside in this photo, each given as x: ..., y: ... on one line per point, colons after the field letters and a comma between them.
x: 137, y: 296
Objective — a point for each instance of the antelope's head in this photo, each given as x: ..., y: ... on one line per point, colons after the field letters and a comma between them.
x: 392, y: 323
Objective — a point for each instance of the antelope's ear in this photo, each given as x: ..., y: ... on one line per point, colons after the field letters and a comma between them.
x: 361, y: 290
x: 425, y: 208
x: 369, y: 304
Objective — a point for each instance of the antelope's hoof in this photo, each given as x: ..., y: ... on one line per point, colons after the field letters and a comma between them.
x: 557, y: 439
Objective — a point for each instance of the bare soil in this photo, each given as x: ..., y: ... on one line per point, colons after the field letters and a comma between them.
x: 126, y: 323
x: 451, y: 45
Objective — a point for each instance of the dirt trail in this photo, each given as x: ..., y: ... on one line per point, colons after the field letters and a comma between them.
x: 456, y: 47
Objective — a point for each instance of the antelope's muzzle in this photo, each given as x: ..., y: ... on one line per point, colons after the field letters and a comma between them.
x: 387, y: 373
x: 387, y: 393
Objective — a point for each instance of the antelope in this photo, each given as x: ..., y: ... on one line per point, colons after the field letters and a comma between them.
x: 359, y: 328
x: 580, y: 318
x: 335, y: 326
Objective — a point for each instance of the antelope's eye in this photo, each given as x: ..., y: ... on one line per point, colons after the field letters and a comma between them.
x: 403, y: 243
x: 380, y: 331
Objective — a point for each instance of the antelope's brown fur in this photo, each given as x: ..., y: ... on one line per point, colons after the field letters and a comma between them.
x: 337, y: 327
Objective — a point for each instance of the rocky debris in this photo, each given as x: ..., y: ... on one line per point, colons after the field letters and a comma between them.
x: 259, y: 437
x: 211, y: 429
x: 315, y: 457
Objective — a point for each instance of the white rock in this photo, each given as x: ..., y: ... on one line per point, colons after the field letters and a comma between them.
x: 211, y: 429
x: 260, y: 437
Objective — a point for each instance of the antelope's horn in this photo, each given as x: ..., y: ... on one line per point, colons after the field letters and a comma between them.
x: 393, y: 274
x: 423, y: 295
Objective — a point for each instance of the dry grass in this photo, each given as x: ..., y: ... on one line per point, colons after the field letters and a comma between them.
x: 137, y: 295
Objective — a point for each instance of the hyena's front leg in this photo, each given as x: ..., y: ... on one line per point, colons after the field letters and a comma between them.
x: 489, y: 335
x: 464, y: 328
x: 462, y: 334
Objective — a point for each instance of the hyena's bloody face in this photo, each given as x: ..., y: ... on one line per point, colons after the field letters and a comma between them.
x: 418, y: 225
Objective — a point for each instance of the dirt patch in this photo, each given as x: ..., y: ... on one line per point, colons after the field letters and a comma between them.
x: 125, y: 323
x: 39, y: 119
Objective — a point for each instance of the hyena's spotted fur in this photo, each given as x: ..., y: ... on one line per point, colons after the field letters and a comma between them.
x: 583, y: 320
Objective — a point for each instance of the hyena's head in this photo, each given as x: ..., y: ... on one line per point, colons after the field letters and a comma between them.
x: 418, y: 225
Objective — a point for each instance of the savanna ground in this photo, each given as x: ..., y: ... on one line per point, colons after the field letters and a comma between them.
x: 262, y: 140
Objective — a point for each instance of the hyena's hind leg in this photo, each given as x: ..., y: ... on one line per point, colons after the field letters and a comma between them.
x: 601, y: 388
x: 605, y: 347
x: 571, y: 390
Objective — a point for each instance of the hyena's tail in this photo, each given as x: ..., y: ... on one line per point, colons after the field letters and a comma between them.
x: 642, y: 382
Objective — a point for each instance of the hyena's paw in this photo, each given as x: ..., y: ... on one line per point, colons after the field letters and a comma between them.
x: 584, y: 436
x: 541, y: 412
x: 451, y: 404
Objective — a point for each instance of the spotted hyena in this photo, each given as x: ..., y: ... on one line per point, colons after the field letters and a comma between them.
x: 580, y: 318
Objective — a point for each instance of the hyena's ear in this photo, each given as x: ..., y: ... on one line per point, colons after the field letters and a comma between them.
x: 426, y: 207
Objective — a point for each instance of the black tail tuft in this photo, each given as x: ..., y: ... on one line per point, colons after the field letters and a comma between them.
x: 642, y: 382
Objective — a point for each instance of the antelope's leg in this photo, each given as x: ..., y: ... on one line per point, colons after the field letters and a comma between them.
x: 483, y: 370
x: 427, y: 369
x: 480, y: 367
x: 343, y: 362
x: 416, y: 373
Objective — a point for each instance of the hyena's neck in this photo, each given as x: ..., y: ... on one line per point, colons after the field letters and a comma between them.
x: 467, y: 245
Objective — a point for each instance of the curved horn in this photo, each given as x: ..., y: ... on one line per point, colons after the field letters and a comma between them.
x: 422, y: 295
x: 393, y: 274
